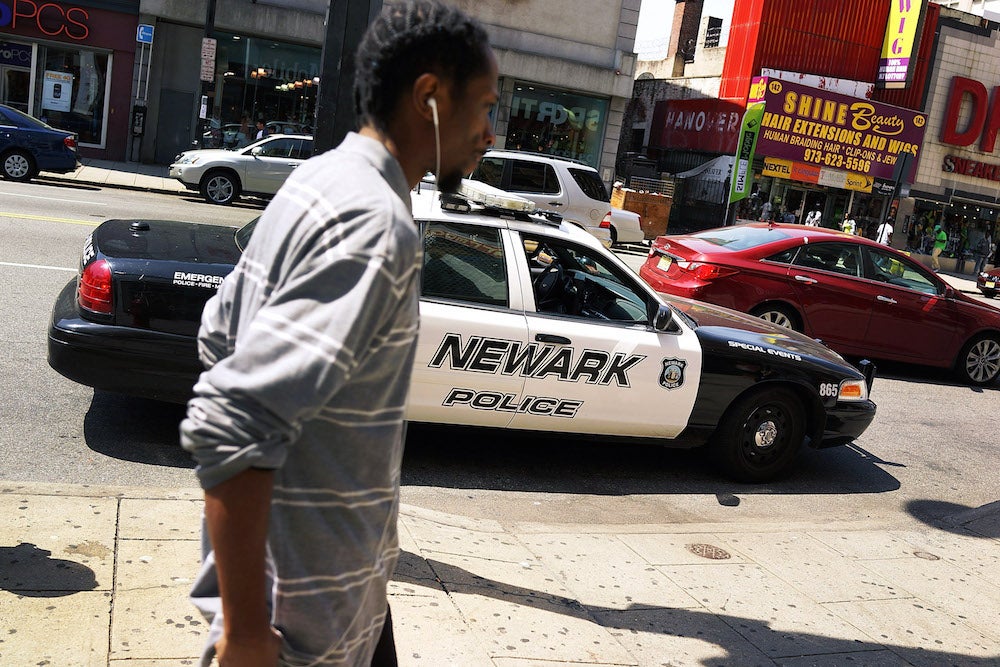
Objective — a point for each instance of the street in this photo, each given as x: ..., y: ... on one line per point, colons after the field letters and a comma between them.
x: 930, y: 452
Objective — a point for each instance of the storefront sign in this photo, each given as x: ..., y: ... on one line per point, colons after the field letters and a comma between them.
x: 57, y: 91
x: 709, y: 125
x: 808, y: 173
x: 984, y: 115
x: 742, y: 175
x: 18, y: 55
x: 901, y: 39
x: 49, y: 18
x: 952, y: 164
x: 826, y: 129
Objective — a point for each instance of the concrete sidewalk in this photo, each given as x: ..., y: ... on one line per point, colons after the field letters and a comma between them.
x: 99, y: 577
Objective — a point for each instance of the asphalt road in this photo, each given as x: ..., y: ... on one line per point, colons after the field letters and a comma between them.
x: 930, y: 452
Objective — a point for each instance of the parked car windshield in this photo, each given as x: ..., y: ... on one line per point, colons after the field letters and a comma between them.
x: 740, y: 238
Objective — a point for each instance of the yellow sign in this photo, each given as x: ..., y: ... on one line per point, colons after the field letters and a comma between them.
x: 859, y: 182
x: 777, y: 168
x: 900, y: 43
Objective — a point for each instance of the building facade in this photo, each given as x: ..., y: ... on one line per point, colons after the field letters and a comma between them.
x: 70, y: 64
x: 126, y: 75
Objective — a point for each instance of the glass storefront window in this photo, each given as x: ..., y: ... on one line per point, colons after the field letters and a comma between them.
x: 557, y: 122
x: 71, y: 87
x: 260, y: 79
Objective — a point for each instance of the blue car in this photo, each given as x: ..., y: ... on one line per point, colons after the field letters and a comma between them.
x: 27, y: 146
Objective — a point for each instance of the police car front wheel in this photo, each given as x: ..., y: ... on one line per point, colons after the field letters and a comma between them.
x: 760, y: 435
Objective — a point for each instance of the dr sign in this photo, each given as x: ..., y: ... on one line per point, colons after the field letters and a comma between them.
x: 49, y: 18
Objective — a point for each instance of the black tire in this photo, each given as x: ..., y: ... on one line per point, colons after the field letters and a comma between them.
x: 220, y: 187
x: 614, y: 236
x: 17, y: 165
x: 778, y: 314
x: 760, y: 435
x: 989, y: 293
x: 979, y: 362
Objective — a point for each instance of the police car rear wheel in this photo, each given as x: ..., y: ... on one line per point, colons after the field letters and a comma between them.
x: 760, y: 435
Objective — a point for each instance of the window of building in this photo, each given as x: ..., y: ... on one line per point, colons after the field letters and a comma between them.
x: 557, y: 122
x: 71, y: 90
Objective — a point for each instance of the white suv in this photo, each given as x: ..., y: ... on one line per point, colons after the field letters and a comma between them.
x: 572, y: 189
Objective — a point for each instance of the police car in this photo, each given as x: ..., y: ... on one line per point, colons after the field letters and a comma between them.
x: 527, y: 323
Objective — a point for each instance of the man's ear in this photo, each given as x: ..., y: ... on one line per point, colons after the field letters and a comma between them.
x: 426, y: 87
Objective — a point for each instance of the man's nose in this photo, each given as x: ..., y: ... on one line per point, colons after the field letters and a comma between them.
x: 490, y: 136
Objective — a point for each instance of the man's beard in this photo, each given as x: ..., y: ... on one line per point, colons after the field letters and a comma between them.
x: 449, y: 182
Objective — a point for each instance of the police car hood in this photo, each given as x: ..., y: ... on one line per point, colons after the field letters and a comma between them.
x: 735, y: 328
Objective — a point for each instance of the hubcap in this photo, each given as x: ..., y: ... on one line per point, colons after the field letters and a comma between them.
x: 777, y: 317
x: 983, y: 362
x: 16, y: 166
x: 220, y: 189
x: 766, y: 434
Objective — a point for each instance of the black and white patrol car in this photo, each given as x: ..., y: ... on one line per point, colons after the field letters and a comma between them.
x: 527, y: 323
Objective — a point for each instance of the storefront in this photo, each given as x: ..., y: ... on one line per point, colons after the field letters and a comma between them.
x: 70, y: 65
x: 957, y: 183
x: 557, y: 122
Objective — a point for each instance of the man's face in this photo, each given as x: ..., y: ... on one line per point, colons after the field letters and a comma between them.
x: 466, y: 127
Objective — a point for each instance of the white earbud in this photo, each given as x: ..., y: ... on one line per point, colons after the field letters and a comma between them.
x: 432, y: 103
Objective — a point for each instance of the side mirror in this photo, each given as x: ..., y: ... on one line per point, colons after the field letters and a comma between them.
x: 664, y: 318
x: 256, y: 151
x: 949, y: 292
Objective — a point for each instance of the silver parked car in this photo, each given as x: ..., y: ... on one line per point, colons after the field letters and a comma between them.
x: 221, y: 176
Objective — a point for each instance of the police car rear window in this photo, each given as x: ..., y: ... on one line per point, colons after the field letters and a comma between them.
x: 741, y: 238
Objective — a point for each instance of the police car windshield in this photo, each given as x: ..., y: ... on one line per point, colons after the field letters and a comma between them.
x: 741, y: 238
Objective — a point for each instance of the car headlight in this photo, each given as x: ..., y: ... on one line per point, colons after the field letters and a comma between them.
x: 186, y: 159
x: 853, y: 391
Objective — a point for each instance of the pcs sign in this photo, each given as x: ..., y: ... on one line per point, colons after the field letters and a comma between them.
x: 52, y: 19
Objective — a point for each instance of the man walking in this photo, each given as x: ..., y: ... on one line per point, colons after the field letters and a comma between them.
x: 884, y: 235
x: 940, y: 241
x: 297, y: 423
x: 814, y: 217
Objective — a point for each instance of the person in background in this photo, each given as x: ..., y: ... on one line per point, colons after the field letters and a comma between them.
x: 940, y: 241
x: 243, y: 135
x: 789, y: 217
x: 884, y: 233
x: 849, y: 224
x: 297, y: 423
x: 765, y: 211
x: 815, y: 217
x: 261, y: 131
x: 983, y: 251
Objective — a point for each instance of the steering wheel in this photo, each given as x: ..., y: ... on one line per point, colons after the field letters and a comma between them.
x: 547, y: 281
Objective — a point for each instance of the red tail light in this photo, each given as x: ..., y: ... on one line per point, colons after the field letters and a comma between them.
x: 707, y: 272
x: 70, y: 142
x: 95, y: 287
x: 606, y: 222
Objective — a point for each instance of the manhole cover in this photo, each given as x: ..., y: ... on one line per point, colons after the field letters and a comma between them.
x: 925, y: 555
x: 709, y: 551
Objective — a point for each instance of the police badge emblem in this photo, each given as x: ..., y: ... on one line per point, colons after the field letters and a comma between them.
x: 672, y: 375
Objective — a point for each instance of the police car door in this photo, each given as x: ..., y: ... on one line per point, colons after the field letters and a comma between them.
x: 471, y: 321
x: 599, y: 367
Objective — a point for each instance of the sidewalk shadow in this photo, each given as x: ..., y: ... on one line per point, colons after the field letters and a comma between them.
x: 508, y: 460
x: 32, y: 572
x: 42, y: 179
x: 982, y: 521
x: 135, y: 429
x: 743, y: 640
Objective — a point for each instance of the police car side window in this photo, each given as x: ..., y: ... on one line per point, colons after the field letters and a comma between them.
x: 574, y: 281
x: 464, y: 263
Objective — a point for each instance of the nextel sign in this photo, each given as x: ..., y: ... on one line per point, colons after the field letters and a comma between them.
x: 49, y: 18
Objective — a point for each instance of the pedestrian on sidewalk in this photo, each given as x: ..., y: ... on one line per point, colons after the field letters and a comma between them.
x: 940, y: 241
x: 984, y: 250
x: 815, y: 217
x: 297, y: 424
x: 884, y: 234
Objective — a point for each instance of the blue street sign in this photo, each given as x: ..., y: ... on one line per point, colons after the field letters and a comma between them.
x: 144, y: 33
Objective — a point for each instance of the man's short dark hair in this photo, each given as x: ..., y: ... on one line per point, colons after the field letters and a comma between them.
x: 409, y: 39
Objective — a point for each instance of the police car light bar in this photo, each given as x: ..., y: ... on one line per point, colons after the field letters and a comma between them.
x: 487, y: 195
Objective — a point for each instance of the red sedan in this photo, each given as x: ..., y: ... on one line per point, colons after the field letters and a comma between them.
x: 988, y: 282
x: 859, y: 297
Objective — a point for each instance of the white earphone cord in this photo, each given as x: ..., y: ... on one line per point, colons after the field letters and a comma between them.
x: 437, y: 150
